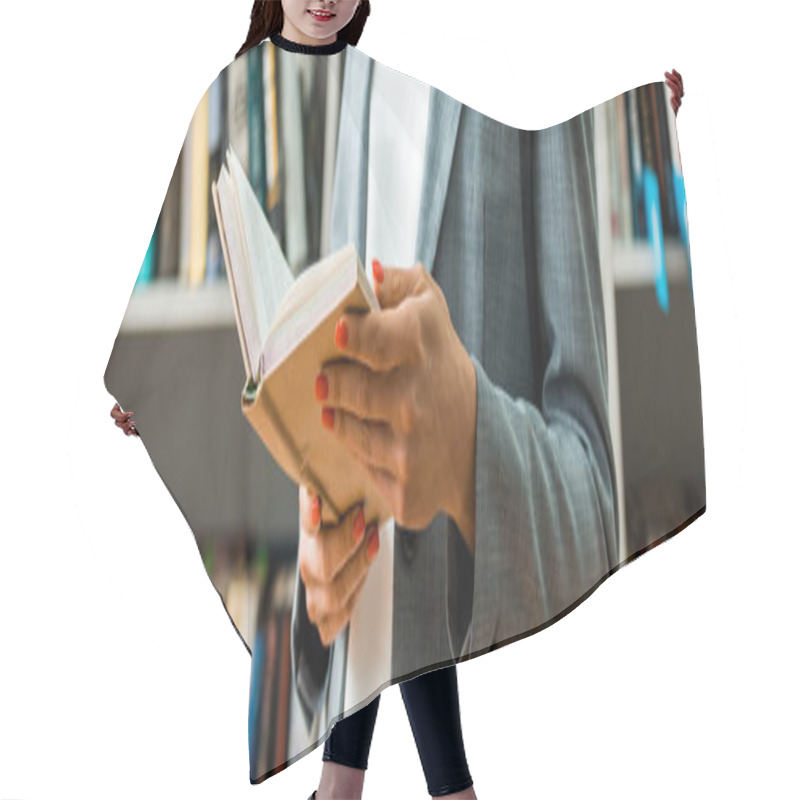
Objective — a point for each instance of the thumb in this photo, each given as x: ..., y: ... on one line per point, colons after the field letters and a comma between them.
x: 394, y: 284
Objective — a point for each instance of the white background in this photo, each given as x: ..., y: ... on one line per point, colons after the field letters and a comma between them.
x: 120, y: 673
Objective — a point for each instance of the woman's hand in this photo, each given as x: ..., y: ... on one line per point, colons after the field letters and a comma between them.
x: 333, y: 560
x: 404, y: 400
x: 124, y: 420
x: 675, y: 82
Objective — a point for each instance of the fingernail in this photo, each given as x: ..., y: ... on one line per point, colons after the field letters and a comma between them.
x: 340, y: 336
x: 377, y: 270
x: 321, y: 387
x: 327, y: 418
x: 373, y: 544
x: 315, y: 511
x: 358, y: 526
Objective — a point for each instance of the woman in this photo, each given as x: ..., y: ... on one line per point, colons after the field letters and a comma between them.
x: 431, y: 699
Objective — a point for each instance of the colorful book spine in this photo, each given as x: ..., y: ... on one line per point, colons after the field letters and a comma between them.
x: 255, y: 123
x: 663, y: 108
x: 147, y: 270
x: 272, y: 146
x: 652, y: 202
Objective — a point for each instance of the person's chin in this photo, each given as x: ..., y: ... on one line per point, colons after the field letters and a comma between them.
x: 318, y: 33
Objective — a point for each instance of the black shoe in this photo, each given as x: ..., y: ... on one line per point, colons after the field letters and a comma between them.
x: 313, y: 795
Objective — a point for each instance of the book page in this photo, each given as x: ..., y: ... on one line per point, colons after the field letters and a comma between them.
x: 272, y: 277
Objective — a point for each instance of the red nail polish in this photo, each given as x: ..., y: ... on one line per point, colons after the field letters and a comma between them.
x: 358, y: 527
x: 321, y: 387
x: 315, y: 511
x: 340, y: 337
x: 327, y: 418
x: 373, y: 545
x: 377, y: 270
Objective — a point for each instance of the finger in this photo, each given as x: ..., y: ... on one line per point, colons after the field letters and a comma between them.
x: 122, y: 416
x: 673, y: 87
x: 397, y: 283
x: 325, y: 599
x: 382, y: 340
x: 373, y: 443
x: 356, y: 388
x: 331, y: 626
x: 324, y: 557
x: 333, y: 597
x: 310, y: 509
x: 386, y: 482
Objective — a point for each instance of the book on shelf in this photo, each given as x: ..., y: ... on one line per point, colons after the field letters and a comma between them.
x: 169, y: 222
x: 240, y: 110
x: 642, y: 147
x: 217, y: 130
x: 286, y: 331
x: 149, y: 262
x: 271, y: 670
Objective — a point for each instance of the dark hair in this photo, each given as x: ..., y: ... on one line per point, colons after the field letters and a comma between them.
x: 266, y: 19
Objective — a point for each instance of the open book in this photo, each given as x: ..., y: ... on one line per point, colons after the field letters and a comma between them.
x: 286, y: 331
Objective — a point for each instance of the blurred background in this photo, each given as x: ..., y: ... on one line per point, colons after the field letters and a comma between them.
x: 177, y: 360
x: 120, y: 668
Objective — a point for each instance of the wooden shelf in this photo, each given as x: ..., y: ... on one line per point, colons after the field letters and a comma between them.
x: 165, y: 305
x: 634, y: 265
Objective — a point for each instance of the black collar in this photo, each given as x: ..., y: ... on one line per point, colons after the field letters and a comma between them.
x: 311, y: 49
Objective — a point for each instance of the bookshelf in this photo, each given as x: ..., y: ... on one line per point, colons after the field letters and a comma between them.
x: 653, y: 369
x: 239, y: 505
x: 634, y: 265
x: 166, y: 305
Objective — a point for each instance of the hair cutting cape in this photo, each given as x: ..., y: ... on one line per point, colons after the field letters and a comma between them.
x: 563, y: 256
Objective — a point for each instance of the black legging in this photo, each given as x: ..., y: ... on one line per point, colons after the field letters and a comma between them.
x: 432, y: 706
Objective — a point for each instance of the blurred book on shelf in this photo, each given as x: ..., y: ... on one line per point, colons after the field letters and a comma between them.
x: 267, y: 108
x: 641, y: 138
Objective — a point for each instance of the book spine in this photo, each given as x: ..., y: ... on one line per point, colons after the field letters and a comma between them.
x: 199, y: 199
x: 272, y: 147
x: 635, y: 155
x: 652, y: 202
x: 216, y: 135
x: 626, y: 210
x: 147, y: 270
x: 614, y: 171
x: 668, y: 194
x: 237, y: 111
x: 657, y: 163
x: 255, y: 123
x: 282, y: 714
x: 185, y: 216
x: 169, y: 225
x: 293, y: 132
